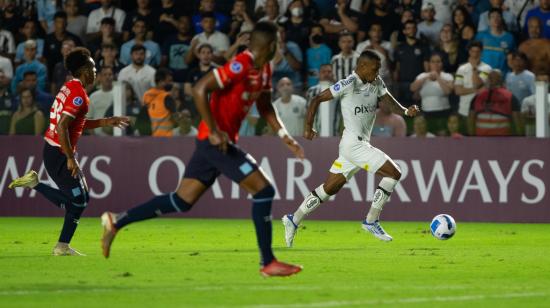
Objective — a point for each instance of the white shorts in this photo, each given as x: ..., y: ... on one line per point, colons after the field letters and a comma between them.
x: 355, y: 155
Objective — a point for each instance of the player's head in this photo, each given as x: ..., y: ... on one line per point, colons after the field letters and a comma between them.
x: 263, y: 41
x: 138, y: 54
x: 325, y: 72
x: 368, y: 65
x: 81, y: 65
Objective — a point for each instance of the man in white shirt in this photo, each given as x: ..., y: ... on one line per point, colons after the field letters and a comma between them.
x: 443, y: 9
x: 138, y: 74
x: 218, y: 40
x: 344, y: 62
x: 360, y: 94
x: 6, y: 67
x: 102, y: 99
x: 290, y: 107
x: 107, y: 9
x: 470, y: 77
x: 429, y: 27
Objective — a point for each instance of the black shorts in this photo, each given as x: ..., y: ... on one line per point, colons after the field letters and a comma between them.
x: 56, y: 165
x: 208, y: 162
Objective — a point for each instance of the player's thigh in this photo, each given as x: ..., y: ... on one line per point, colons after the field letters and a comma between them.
x: 342, y: 167
x: 367, y: 157
x: 199, y: 175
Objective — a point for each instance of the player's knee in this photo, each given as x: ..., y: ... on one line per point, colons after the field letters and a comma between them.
x: 268, y: 192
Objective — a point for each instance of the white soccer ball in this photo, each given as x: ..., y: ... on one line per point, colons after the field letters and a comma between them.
x: 443, y: 227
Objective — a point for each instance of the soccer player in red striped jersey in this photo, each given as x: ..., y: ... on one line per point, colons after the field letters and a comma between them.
x: 67, y: 121
x: 234, y: 87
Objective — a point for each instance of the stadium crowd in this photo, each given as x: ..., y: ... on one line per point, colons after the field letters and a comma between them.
x: 470, y: 65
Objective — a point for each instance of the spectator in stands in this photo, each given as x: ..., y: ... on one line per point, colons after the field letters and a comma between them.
x: 28, y: 32
x: 516, y: 7
x: 11, y: 14
x: 138, y: 74
x: 520, y: 81
x: 420, y: 127
x: 102, y: 99
x: 185, y: 125
x: 494, y: 110
x: 297, y: 26
x: 380, y: 13
x: 272, y: 12
x: 434, y: 88
x: 447, y: 47
x: 509, y: 18
x: 317, y: 54
x: 108, y: 36
x: 108, y: 57
x: 382, y: 48
x: 46, y: 11
x: 534, y: 28
x: 429, y: 28
x: 260, y: 6
x: 341, y: 19
x: 543, y: 13
x: 60, y: 74
x: 6, y: 104
x: 107, y: 9
x: 290, y: 107
x: 461, y: 18
x: 344, y: 62
x: 205, y: 52
x: 7, y: 43
x: 30, y: 64
x: 411, y: 59
x: 218, y: 40
x: 142, y: 11
x: 454, y: 126
x: 176, y: 51
x: 161, y: 106
x: 496, y: 42
x: 167, y: 20
x: 76, y: 23
x: 470, y: 77
x: 240, y: 20
x: 466, y: 36
x: 7, y: 68
x: 152, y: 49
x: 240, y: 44
x: 398, y: 36
x: 43, y: 99
x: 326, y: 79
x: 443, y: 9
x: 209, y: 7
x: 28, y: 119
x: 54, y: 40
x: 388, y: 124
x: 248, y: 125
x: 287, y: 61
x: 536, y: 48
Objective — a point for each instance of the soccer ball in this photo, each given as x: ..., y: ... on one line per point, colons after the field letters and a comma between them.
x: 443, y: 227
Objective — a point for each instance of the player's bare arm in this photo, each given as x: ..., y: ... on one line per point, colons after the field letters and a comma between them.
x: 397, y: 108
x: 265, y: 107
x: 309, y: 132
x: 120, y: 122
x: 201, y: 89
x: 64, y: 141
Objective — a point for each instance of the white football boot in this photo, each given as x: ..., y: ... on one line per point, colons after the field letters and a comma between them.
x: 290, y: 229
x: 376, y: 229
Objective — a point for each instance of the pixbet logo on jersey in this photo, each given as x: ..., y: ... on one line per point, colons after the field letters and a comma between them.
x: 364, y: 109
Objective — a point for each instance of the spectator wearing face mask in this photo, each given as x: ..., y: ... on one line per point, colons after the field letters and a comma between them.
x: 297, y: 26
x: 317, y: 54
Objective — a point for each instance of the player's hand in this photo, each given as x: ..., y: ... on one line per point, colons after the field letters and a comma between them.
x: 294, y: 147
x: 120, y: 122
x: 219, y: 139
x: 412, y: 111
x: 309, y: 133
x: 73, y: 167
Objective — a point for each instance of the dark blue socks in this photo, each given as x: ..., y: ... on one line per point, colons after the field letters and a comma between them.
x: 261, y: 214
x: 157, y: 206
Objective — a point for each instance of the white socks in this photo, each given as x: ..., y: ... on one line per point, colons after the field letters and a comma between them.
x: 381, y: 195
x: 310, y: 203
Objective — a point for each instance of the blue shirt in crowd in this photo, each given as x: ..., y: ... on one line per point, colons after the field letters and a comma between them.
x: 283, y: 69
x: 495, y: 49
x: 544, y: 19
x: 521, y: 85
x: 315, y: 58
x: 20, y: 50
x: 152, y: 52
x: 35, y: 66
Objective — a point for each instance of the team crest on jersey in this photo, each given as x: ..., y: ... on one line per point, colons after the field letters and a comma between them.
x: 336, y: 87
x: 236, y: 67
x: 77, y: 101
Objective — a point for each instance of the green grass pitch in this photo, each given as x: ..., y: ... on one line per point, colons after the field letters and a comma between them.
x: 214, y: 263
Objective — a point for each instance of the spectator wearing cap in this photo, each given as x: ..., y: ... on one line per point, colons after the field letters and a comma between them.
x: 54, y: 40
x: 76, y: 22
x: 138, y: 74
x: 107, y: 9
x: 176, y: 50
x: 509, y: 18
x: 543, y: 13
x: 443, y: 9
x: 46, y: 11
x: 108, y: 36
x: 60, y: 73
x: 218, y: 40
x: 519, y: 81
x: 30, y: 64
x: 429, y: 28
x: 209, y: 7
x: 380, y: 13
x: 109, y: 58
x: 152, y: 49
x: 496, y: 42
x: 28, y: 31
x: 142, y: 11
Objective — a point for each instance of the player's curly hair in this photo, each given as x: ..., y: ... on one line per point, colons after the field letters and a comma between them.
x: 77, y: 59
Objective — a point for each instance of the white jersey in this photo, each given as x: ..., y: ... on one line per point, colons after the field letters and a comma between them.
x: 358, y: 102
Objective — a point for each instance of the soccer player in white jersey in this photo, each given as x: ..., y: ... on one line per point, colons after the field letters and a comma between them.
x: 359, y: 95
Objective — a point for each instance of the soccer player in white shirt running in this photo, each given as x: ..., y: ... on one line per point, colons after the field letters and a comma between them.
x: 359, y: 95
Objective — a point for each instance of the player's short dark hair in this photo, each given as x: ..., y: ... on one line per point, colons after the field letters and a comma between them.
x: 108, y: 21
x: 137, y: 47
x: 371, y: 55
x: 161, y: 74
x: 77, y: 59
x: 27, y: 73
x: 265, y: 30
x: 473, y: 44
x: 60, y: 14
x: 208, y: 15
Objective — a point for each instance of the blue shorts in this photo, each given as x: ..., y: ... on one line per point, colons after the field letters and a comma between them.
x: 208, y: 162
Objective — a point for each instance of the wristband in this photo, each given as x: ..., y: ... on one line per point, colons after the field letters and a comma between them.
x: 282, y: 132
x: 407, y: 112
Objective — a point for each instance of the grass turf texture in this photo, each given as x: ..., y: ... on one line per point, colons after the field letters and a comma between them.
x: 213, y: 263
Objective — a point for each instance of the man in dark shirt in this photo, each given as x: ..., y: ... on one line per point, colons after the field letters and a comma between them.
x: 143, y: 12
x: 54, y: 41
x: 379, y: 13
x: 176, y: 50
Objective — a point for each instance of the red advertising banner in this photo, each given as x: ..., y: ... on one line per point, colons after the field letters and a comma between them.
x: 473, y: 179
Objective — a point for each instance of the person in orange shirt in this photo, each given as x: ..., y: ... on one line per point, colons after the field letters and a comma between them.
x: 160, y: 105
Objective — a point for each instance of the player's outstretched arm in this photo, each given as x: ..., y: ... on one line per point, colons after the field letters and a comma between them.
x: 309, y: 132
x: 397, y: 108
x: 267, y: 111
x: 120, y: 122
x: 65, y: 142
